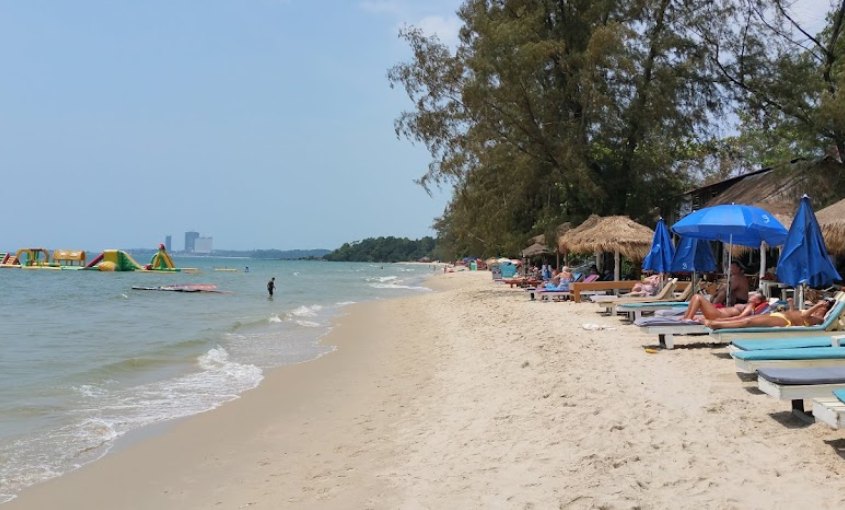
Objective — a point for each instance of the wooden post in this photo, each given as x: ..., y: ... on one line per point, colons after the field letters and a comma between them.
x: 616, y: 265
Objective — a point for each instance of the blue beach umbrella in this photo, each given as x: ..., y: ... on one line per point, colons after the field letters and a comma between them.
x: 693, y: 255
x: 745, y: 225
x: 805, y: 260
x: 662, y: 250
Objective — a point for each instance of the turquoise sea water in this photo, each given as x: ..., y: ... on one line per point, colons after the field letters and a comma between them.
x: 84, y: 359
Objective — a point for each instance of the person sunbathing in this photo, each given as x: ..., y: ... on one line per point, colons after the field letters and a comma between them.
x: 648, y: 287
x: 699, y: 303
x: 810, y: 317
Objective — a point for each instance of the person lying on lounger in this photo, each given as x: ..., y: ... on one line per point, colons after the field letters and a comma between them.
x: 810, y: 317
x: 648, y: 287
x: 699, y: 303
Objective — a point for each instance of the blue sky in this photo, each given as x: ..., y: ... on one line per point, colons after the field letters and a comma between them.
x: 262, y: 123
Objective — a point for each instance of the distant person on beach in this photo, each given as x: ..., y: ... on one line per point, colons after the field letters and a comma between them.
x: 246, y: 270
x: 271, y: 286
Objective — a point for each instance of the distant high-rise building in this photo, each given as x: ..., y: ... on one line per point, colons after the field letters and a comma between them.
x: 202, y: 245
x: 190, y: 241
x: 167, y: 242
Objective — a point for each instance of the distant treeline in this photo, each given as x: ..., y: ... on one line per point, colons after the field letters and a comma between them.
x: 384, y: 249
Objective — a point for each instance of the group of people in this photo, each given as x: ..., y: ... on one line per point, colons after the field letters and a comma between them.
x: 755, y: 313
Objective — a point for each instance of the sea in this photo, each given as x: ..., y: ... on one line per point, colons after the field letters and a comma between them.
x: 85, y: 359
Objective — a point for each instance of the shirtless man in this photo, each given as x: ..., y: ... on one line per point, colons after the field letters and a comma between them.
x: 739, y: 286
x: 811, y: 317
x: 699, y: 304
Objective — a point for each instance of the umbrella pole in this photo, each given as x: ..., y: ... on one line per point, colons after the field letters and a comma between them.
x: 730, y: 254
x: 616, y: 265
x: 800, y: 296
x: 763, y: 248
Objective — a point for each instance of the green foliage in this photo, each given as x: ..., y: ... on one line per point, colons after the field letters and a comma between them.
x: 384, y: 249
x: 549, y: 111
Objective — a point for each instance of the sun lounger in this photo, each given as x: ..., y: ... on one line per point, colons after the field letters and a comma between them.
x: 798, y: 384
x: 808, y: 357
x: 781, y: 343
x: 831, y: 409
x: 637, y: 309
x: 833, y: 322
x: 664, y: 294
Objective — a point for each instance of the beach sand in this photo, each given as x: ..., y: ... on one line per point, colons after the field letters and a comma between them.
x: 476, y: 397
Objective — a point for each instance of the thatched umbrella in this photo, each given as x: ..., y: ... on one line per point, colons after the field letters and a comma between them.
x: 564, y: 242
x: 832, y: 221
x: 619, y: 234
x: 536, y: 249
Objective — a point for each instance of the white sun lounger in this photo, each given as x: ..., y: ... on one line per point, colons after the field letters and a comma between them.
x: 831, y: 409
x: 798, y: 384
x: 833, y: 322
x: 666, y: 334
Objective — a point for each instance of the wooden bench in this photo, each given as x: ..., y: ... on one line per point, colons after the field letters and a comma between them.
x: 577, y: 288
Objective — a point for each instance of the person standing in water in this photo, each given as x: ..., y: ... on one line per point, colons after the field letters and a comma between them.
x: 271, y: 286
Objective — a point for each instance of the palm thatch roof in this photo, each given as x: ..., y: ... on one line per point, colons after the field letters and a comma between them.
x: 832, y: 222
x: 614, y: 233
x: 779, y: 189
x: 564, y: 243
x: 536, y: 249
x: 539, y: 239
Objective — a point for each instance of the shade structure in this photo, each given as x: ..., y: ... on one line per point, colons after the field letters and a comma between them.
x: 745, y: 225
x: 619, y: 234
x: 565, y: 240
x: 805, y: 259
x: 693, y: 255
x: 536, y: 249
x: 659, y: 259
x: 832, y: 222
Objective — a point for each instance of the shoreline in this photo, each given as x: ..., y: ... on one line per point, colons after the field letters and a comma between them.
x: 475, y: 397
x: 103, y: 482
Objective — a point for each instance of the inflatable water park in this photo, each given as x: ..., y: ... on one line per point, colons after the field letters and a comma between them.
x: 74, y: 260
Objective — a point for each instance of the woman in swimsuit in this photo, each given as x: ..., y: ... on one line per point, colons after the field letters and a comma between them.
x: 811, y: 317
x: 699, y: 304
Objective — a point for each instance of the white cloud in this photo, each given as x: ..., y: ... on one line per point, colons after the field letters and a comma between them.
x: 446, y: 28
x: 437, y: 18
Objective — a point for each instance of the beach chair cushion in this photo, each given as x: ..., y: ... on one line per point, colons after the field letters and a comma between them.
x: 803, y: 376
x: 665, y: 304
x: 782, y: 343
x: 840, y: 394
x: 792, y: 354
x: 665, y: 321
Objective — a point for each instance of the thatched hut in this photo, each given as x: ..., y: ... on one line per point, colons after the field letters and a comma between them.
x: 564, y: 242
x: 535, y: 250
x: 618, y: 234
x: 832, y: 222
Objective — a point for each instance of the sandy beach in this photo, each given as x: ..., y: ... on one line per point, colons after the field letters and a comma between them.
x: 473, y: 396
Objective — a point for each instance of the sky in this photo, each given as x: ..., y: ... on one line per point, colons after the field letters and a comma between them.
x: 260, y: 123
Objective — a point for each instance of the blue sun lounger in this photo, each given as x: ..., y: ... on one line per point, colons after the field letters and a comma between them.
x: 808, y: 357
x: 831, y: 409
x: 797, y: 384
x: 782, y: 343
